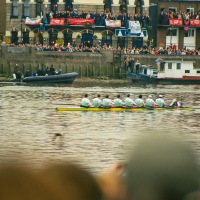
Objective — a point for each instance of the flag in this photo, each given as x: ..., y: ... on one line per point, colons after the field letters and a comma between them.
x: 57, y: 21
x: 78, y: 21
x: 33, y: 21
x: 113, y: 23
x: 194, y: 22
x: 135, y: 28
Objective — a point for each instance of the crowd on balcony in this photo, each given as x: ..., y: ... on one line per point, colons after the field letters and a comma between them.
x: 165, y: 16
x: 100, y: 17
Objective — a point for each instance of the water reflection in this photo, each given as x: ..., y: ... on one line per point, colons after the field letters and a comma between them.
x: 29, y: 123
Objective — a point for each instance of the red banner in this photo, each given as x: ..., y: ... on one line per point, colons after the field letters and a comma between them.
x: 194, y: 22
x: 57, y: 22
x: 175, y: 22
x: 78, y: 21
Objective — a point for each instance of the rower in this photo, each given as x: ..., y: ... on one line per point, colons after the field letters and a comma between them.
x: 128, y: 102
x: 96, y: 102
x: 150, y: 102
x: 118, y: 102
x: 160, y: 101
x: 85, y: 102
x: 175, y: 104
x: 107, y: 103
x: 139, y: 101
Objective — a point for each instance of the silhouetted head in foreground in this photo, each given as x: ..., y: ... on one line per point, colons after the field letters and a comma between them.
x: 162, y: 167
x: 55, y: 182
x: 71, y: 181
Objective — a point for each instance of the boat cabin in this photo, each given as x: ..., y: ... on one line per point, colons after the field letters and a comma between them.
x: 178, y: 69
x: 171, y: 69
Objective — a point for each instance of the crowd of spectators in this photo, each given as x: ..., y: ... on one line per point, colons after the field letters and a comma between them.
x: 100, y: 17
x: 145, y: 50
x: 172, y: 14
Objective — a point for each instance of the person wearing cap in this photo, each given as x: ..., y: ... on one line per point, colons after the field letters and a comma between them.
x: 160, y: 101
x: 128, y: 102
x: 175, y: 103
x: 139, y: 101
x: 150, y: 102
x: 118, y: 102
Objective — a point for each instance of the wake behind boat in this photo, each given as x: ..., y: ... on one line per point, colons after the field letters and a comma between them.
x: 76, y: 108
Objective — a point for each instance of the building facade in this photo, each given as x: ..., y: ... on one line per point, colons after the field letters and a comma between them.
x: 3, y: 19
x: 47, y: 22
x: 178, y: 24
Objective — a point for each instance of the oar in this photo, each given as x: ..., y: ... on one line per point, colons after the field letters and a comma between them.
x: 149, y: 107
x: 68, y: 104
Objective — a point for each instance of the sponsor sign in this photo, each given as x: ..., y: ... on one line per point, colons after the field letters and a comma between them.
x: 33, y: 21
x: 135, y: 28
x: 57, y: 21
x: 77, y: 21
x: 175, y: 22
x: 113, y: 23
x: 120, y: 32
x: 194, y: 22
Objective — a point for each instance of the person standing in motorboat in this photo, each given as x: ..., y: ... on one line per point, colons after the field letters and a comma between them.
x: 150, y: 102
x: 137, y: 67
x: 85, y: 102
x: 107, y: 103
x: 128, y: 102
x: 159, y: 61
x: 118, y: 102
x: 160, y: 101
x: 97, y: 102
x: 139, y: 101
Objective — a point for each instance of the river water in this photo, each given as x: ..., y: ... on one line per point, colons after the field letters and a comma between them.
x: 32, y: 129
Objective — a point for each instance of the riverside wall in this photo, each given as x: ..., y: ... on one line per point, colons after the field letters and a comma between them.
x: 106, y: 64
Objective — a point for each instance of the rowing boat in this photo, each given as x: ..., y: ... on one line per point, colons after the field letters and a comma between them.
x: 119, y: 109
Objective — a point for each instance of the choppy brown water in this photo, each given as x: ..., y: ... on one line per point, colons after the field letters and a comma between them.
x: 29, y: 122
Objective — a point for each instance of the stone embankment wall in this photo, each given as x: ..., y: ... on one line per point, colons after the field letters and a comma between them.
x: 106, y: 64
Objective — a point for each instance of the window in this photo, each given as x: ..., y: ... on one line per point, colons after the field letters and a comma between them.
x: 107, y: 39
x: 187, y: 71
x: 178, y: 66
x: 191, y: 10
x: 189, y: 33
x: 145, y: 33
x: 15, y: 8
x: 26, y: 8
x: 169, y: 65
x: 198, y: 71
x: 173, y: 9
x: 39, y: 8
x: 171, y: 32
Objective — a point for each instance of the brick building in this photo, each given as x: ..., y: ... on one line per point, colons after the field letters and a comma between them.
x: 178, y: 23
x: 3, y: 19
x: 17, y: 29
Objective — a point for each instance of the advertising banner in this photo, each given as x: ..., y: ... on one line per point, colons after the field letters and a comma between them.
x: 194, y: 22
x: 113, y: 23
x: 77, y: 21
x: 175, y: 22
x: 57, y: 21
x: 33, y: 21
x: 135, y: 28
